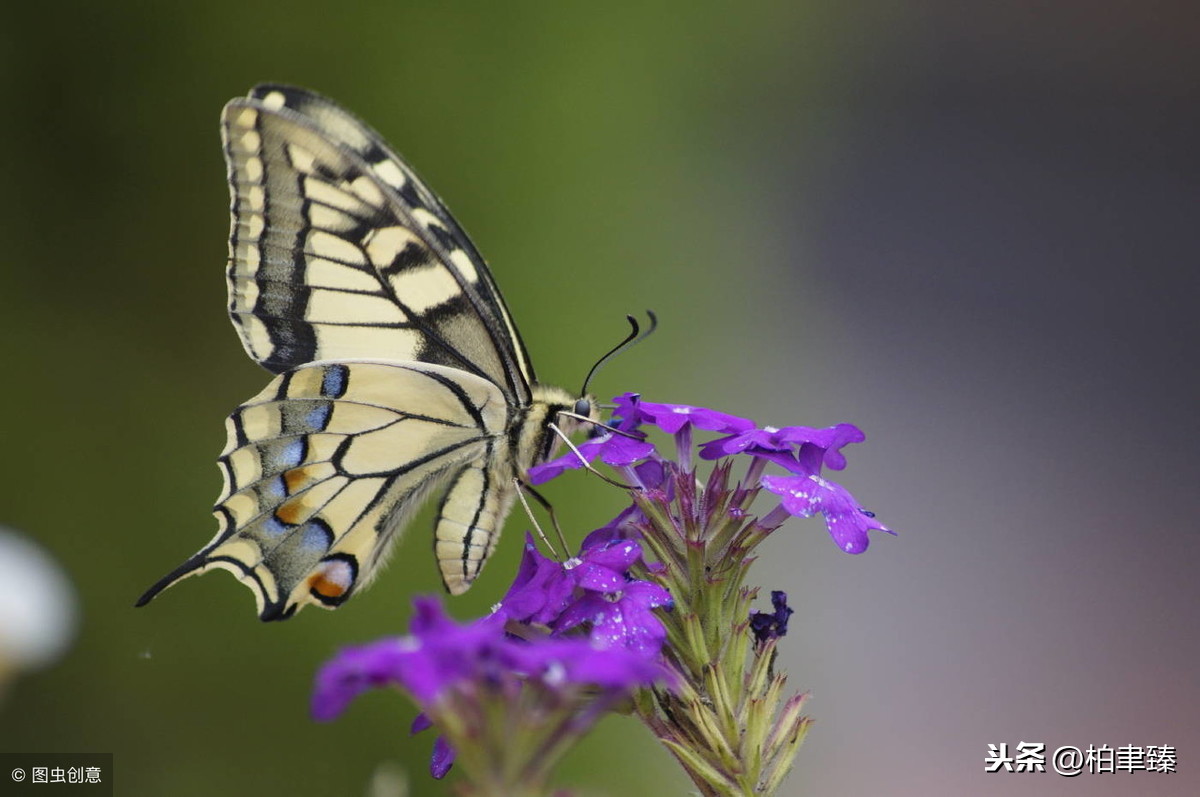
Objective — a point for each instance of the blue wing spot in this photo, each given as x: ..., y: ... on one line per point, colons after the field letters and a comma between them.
x: 335, y: 381
x: 317, y: 419
x: 316, y: 537
x: 272, y: 491
x: 287, y: 456
x: 274, y: 527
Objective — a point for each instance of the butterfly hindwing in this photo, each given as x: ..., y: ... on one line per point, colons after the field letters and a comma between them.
x: 325, y: 465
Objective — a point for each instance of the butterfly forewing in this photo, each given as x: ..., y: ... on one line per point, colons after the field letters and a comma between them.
x: 399, y: 369
x: 339, y: 125
x: 325, y: 244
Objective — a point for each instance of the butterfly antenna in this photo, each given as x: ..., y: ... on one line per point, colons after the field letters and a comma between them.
x: 635, y: 336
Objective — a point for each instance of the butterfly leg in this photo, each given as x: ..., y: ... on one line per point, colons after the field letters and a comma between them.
x: 524, y: 487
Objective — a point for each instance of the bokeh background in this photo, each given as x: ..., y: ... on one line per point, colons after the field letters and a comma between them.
x: 967, y: 227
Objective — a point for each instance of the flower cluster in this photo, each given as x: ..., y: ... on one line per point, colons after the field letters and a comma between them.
x: 569, y: 640
x: 595, y: 588
x: 801, y: 450
x: 512, y: 691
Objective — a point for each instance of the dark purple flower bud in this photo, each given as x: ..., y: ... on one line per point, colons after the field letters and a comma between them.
x: 442, y: 758
x: 771, y: 625
x: 443, y: 753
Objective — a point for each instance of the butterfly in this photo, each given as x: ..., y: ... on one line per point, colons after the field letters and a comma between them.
x: 399, y: 370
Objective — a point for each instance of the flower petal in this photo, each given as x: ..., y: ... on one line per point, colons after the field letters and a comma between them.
x: 805, y: 496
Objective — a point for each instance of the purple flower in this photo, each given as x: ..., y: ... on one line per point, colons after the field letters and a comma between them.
x: 652, y: 474
x: 806, y: 495
x: 616, y: 669
x: 595, y: 587
x: 441, y: 654
x: 541, y: 590
x: 671, y: 418
x: 621, y: 619
x: 623, y: 527
x: 771, y: 625
x: 618, y: 606
x: 843, y: 435
x: 354, y: 671
x: 617, y: 450
x: 603, y: 566
x: 460, y: 675
x: 771, y: 440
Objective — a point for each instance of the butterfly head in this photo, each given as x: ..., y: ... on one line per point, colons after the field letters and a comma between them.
x: 552, y: 406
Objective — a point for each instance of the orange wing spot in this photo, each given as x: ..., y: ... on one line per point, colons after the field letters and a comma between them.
x: 291, y: 512
x: 322, y: 585
x: 297, y: 479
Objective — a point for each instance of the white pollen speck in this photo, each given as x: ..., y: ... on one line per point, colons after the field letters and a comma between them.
x: 555, y: 673
x: 770, y: 429
x: 572, y: 563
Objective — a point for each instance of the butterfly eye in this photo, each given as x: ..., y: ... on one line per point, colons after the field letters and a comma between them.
x: 583, y: 407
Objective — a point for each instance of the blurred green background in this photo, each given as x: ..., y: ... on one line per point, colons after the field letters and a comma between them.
x: 960, y: 228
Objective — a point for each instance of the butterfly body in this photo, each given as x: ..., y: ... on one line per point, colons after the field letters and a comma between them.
x: 399, y: 370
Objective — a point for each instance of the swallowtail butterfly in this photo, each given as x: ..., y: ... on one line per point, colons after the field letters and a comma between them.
x: 399, y: 370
